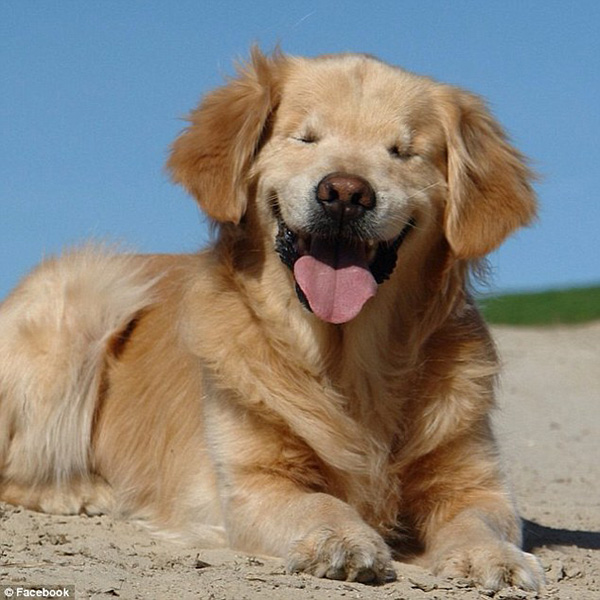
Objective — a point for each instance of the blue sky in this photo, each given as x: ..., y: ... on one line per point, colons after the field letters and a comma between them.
x: 92, y: 94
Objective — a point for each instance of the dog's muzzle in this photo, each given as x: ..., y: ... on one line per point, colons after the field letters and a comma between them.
x: 336, y: 271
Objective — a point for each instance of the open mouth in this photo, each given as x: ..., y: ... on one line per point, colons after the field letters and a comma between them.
x: 336, y: 276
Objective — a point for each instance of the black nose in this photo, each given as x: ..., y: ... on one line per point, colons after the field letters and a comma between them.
x: 345, y: 197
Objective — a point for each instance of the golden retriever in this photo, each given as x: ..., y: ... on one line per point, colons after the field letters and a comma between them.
x: 318, y: 384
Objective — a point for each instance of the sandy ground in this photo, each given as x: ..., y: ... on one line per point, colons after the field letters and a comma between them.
x: 549, y: 428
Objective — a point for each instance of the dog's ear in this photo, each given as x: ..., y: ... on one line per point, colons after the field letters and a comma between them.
x: 489, y: 182
x: 212, y: 156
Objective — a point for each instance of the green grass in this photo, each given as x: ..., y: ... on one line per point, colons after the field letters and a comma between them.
x: 579, y: 305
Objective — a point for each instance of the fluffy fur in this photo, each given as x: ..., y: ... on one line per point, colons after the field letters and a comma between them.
x: 198, y: 394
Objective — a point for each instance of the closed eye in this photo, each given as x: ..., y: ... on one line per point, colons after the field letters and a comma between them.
x: 307, y: 138
x: 401, y: 153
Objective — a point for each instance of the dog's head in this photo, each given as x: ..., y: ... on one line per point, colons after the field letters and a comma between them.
x: 350, y: 161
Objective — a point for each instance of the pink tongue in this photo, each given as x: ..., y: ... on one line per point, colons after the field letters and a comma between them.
x: 335, y: 280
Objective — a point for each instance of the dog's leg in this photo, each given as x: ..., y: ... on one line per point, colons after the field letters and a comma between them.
x: 475, y: 544
x: 271, y: 492
x: 315, y: 532
x: 466, y: 516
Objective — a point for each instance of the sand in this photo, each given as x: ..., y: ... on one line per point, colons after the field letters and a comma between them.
x: 549, y: 429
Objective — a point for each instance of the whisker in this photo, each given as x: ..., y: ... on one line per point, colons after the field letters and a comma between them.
x: 427, y: 187
x: 402, y: 221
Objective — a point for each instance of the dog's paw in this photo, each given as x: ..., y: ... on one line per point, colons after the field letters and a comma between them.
x: 492, y: 566
x: 351, y: 554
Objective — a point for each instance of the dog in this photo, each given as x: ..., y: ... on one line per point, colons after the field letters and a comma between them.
x: 317, y: 385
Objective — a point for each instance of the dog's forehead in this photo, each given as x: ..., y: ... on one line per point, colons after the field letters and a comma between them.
x: 357, y: 89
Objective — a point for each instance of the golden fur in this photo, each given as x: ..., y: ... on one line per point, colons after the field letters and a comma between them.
x: 197, y: 394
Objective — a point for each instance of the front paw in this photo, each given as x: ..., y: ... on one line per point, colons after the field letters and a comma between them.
x: 492, y: 566
x: 353, y: 553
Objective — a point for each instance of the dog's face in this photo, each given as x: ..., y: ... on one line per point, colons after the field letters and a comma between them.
x: 350, y: 158
x: 349, y: 169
